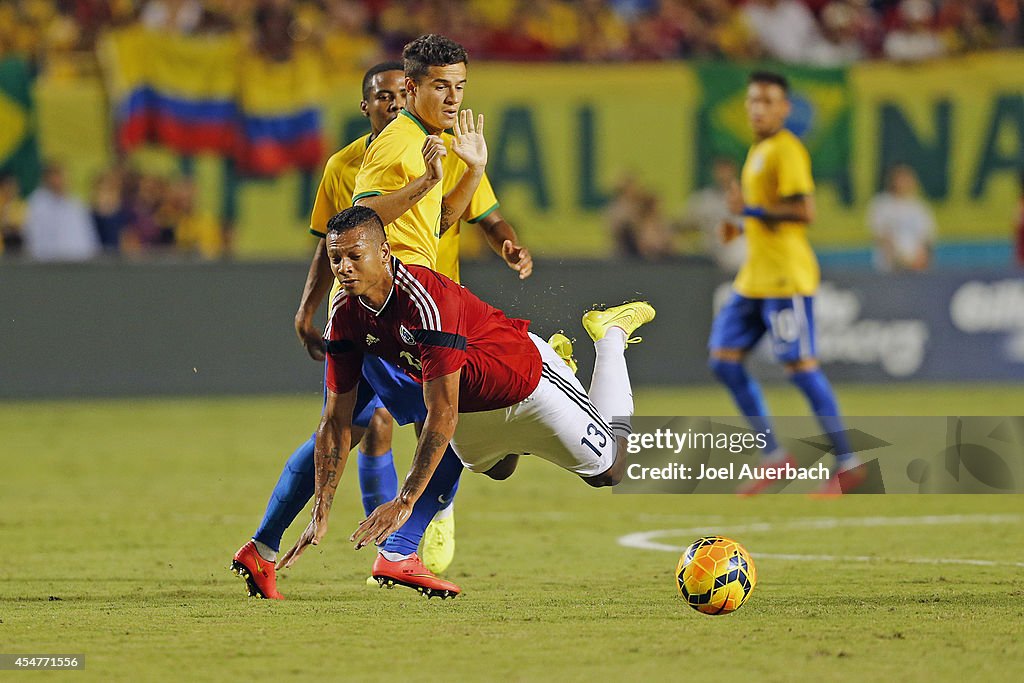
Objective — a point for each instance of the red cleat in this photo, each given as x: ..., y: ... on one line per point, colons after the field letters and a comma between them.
x: 259, y: 575
x: 752, y: 488
x: 410, y: 572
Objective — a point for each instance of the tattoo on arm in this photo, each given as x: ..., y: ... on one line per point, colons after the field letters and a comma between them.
x: 446, y: 217
x: 431, y: 445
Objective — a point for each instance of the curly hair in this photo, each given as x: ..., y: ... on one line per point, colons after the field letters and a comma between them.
x: 431, y: 50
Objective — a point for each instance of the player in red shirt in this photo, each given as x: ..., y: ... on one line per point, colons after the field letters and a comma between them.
x: 491, y: 388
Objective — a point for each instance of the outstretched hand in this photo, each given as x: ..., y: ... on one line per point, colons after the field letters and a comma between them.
x: 469, y: 144
x: 312, y: 535
x: 518, y: 258
x: 381, y: 523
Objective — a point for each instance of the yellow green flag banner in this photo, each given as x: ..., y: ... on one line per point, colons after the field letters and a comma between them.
x: 19, y: 153
x: 821, y: 116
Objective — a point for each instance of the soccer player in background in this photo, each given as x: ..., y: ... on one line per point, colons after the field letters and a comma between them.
x: 774, y: 289
x: 491, y: 389
x: 384, y: 93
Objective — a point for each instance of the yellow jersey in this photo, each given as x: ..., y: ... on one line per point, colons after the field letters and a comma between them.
x: 392, y: 161
x: 337, y: 188
x: 780, y: 261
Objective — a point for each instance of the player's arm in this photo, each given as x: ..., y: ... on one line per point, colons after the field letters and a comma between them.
x: 390, y: 205
x: 441, y: 396
x: 797, y: 208
x: 471, y: 147
x: 318, y: 284
x: 505, y: 242
x: 333, y: 441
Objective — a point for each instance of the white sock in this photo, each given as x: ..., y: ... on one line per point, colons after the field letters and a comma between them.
x: 778, y: 455
x: 446, y: 513
x: 610, y: 391
x: 394, y: 557
x: 265, y: 551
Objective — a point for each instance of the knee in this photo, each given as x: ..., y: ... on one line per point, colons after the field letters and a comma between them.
x: 377, y: 440
x: 608, y: 478
x: 504, y: 468
x: 724, y: 369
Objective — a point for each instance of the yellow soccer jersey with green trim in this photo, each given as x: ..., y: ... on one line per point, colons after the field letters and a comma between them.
x: 337, y: 185
x: 780, y: 261
x: 392, y: 161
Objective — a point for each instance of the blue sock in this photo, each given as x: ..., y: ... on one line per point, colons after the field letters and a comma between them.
x: 294, y: 489
x: 818, y: 391
x: 439, y: 493
x: 377, y: 480
x: 746, y: 392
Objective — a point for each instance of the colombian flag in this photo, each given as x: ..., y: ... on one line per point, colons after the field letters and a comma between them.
x: 208, y: 94
x: 280, y: 113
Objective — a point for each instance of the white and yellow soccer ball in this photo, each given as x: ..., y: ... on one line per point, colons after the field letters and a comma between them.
x: 715, y: 575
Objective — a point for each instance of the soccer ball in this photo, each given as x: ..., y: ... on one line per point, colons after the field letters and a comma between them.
x: 715, y: 575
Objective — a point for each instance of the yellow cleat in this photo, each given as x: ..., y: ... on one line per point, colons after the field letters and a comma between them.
x: 439, y: 544
x: 628, y: 317
x: 563, y: 347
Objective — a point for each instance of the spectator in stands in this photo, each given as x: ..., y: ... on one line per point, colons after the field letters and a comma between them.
x: 195, y: 231
x: 1020, y: 224
x: 172, y: 16
x: 12, y: 215
x: 108, y: 210
x: 915, y: 39
x: 786, y: 29
x: 637, y: 225
x: 707, y: 208
x: 902, y: 224
x: 841, y: 44
x: 58, y: 227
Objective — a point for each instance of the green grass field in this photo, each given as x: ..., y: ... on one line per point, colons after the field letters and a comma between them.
x: 118, y: 520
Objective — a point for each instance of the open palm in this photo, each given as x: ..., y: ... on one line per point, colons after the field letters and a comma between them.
x: 469, y: 144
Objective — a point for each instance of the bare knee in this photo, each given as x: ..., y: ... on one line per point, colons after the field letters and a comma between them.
x: 504, y: 468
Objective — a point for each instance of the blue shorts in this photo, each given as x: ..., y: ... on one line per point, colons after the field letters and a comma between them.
x: 742, y: 322
x: 384, y: 385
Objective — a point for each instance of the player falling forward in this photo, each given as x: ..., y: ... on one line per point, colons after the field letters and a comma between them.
x: 396, y: 168
x: 774, y: 289
x: 491, y: 389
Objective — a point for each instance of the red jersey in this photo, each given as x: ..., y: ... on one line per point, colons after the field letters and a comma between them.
x: 430, y: 327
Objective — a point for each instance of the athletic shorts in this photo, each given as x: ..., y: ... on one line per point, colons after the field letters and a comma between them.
x: 557, y: 422
x: 742, y: 322
x: 384, y: 385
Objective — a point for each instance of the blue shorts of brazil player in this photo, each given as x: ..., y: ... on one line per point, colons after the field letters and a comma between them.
x: 742, y: 322
x: 384, y: 385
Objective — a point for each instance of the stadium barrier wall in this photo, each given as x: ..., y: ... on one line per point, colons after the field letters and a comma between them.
x: 193, y: 329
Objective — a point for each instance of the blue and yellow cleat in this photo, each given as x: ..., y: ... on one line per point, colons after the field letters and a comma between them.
x: 562, y: 345
x: 439, y: 544
x: 628, y: 317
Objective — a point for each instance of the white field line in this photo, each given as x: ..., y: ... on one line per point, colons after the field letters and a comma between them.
x: 646, y: 540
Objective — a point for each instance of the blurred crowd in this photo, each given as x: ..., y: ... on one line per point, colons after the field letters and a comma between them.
x: 129, y: 214
x: 56, y: 34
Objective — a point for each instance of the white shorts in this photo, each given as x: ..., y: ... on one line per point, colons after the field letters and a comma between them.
x: 557, y: 422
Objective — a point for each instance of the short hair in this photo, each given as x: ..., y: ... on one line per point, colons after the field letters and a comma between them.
x: 355, y: 217
x: 431, y: 50
x: 770, y: 78
x: 378, y: 69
